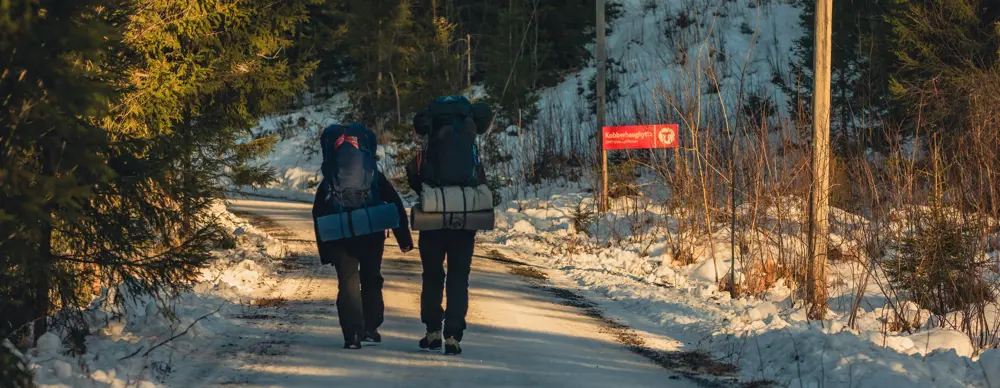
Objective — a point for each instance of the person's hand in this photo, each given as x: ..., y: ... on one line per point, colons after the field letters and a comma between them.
x: 406, y: 249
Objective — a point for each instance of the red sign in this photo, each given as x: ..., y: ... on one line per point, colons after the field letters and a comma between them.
x: 640, y: 136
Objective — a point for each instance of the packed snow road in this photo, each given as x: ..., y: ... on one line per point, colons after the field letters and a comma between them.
x: 518, y: 335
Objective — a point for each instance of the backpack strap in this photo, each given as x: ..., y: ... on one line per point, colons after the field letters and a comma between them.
x: 350, y: 223
x: 328, y: 180
x: 444, y: 206
x: 473, y: 181
x: 465, y: 202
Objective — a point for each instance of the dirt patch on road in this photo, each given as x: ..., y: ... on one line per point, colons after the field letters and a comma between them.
x: 266, y: 224
x: 528, y: 272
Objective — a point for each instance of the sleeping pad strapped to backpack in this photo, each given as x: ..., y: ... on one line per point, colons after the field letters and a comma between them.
x: 350, y: 171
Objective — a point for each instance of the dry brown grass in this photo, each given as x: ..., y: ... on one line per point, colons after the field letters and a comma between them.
x: 270, y: 302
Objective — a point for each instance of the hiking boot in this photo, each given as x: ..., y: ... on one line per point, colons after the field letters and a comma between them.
x: 431, y: 341
x: 353, y: 342
x: 451, y: 346
x: 371, y: 336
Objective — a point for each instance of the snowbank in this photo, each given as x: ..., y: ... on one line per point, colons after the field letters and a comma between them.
x: 140, y: 347
x: 767, y: 337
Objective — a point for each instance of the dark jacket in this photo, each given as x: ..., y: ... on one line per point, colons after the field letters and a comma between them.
x: 387, y: 193
x: 414, y: 180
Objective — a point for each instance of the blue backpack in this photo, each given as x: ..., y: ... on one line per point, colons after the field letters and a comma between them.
x: 451, y: 124
x: 349, y: 166
x: 350, y: 171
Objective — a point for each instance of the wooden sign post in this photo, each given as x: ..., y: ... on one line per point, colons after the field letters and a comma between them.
x: 601, y: 68
x: 632, y: 137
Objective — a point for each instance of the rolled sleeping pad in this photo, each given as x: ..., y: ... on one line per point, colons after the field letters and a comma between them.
x: 479, y: 220
x: 453, y: 199
x: 360, y: 222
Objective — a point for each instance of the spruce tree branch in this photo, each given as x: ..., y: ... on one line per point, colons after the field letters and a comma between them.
x: 93, y: 262
x: 164, y: 20
x: 145, y: 262
x: 85, y: 257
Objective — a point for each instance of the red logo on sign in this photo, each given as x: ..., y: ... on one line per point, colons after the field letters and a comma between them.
x: 350, y: 139
x: 640, y: 137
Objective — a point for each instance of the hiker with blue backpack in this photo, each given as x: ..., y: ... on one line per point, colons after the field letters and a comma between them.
x: 354, y: 207
x: 455, y: 202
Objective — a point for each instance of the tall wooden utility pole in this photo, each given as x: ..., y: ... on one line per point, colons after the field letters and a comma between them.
x: 820, y: 196
x: 601, y: 101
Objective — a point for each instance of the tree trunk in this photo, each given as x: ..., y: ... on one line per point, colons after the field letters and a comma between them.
x: 399, y: 107
x: 378, y: 82
x: 378, y: 103
x: 43, y: 270
x: 43, y: 281
x: 844, y: 108
x: 468, y: 61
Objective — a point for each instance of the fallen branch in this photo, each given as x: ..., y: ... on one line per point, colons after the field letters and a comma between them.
x: 178, y: 335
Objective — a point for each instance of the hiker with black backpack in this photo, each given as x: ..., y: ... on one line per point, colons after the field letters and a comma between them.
x: 455, y: 202
x: 354, y: 207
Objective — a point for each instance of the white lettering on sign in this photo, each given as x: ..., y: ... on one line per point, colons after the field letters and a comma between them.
x: 628, y: 135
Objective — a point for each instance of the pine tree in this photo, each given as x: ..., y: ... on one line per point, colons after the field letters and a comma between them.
x: 123, y: 121
x: 947, y: 59
x: 442, y: 69
x: 52, y: 153
x: 401, y: 53
x: 381, y: 44
x: 323, y: 38
x: 860, y: 68
x: 207, y: 76
x: 511, y: 77
x: 534, y: 45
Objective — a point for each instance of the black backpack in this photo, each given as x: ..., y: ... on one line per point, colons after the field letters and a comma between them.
x: 451, y: 124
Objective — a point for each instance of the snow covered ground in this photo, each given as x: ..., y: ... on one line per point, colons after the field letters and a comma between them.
x: 142, y: 347
x: 769, y: 338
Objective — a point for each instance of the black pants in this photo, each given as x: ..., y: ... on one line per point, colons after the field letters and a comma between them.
x: 458, y: 246
x: 358, y: 261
